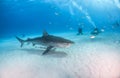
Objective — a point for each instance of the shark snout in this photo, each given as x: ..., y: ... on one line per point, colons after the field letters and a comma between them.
x: 68, y: 44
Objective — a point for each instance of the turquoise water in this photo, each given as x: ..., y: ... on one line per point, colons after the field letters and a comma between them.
x: 95, y: 55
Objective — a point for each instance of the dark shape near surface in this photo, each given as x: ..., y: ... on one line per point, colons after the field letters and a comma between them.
x: 48, y: 41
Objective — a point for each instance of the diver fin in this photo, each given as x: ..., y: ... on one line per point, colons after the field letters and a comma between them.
x: 21, y: 41
x: 45, y: 33
x: 47, y: 50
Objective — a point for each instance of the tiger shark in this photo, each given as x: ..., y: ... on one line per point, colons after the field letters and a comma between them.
x: 49, y: 41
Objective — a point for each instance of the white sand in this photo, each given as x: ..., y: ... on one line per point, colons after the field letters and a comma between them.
x: 88, y: 58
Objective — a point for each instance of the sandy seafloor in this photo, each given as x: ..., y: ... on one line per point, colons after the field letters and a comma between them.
x: 87, y: 58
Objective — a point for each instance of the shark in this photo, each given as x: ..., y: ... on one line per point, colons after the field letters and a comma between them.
x: 47, y: 40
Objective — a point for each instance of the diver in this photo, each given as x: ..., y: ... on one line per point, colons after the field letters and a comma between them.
x: 95, y: 32
x: 80, y: 31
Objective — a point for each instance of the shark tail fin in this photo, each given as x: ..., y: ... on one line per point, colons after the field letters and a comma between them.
x: 21, y: 41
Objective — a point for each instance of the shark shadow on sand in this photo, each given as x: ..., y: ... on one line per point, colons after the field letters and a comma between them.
x: 51, y: 53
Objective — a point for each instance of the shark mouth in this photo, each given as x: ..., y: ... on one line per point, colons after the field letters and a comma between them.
x: 64, y: 45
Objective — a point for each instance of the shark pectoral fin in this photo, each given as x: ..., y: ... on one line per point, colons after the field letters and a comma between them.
x: 47, y: 50
x: 21, y: 45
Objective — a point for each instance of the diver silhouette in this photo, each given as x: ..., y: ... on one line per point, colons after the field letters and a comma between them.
x: 95, y: 32
x: 80, y: 31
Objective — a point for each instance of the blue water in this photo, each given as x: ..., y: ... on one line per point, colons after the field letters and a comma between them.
x: 90, y: 57
x: 34, y: 16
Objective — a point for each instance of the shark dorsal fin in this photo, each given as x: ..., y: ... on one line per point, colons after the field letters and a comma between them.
x: 45, y: 33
